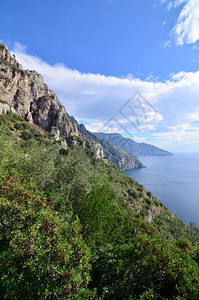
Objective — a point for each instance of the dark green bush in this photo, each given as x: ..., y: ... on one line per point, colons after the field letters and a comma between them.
x: 68, y: 232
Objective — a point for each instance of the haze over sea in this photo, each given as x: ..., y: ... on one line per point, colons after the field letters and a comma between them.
x: 174, y: 180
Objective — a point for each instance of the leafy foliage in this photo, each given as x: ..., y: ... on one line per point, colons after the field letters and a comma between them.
x: 42, y: 253
x: 73, y: 227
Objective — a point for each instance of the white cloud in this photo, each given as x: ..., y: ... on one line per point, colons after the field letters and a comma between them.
x: 167, y: 44
x: 148, y: 127
x: 175, y: 3
x: 180, y: 133
x: 193, y: 117
x: 195, y: 47
x: 186, y: 29
x: 95, y: 98
x: 100, y: 127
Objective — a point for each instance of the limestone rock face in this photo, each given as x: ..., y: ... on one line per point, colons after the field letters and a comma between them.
x: 55, y: 133
x: 97, y: 149
x: 26, y: 92
x: 4, y: 108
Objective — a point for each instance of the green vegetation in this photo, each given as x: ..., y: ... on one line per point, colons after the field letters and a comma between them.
x: 72, y: 227
x: 114, y: 155
x: 3, y: 102
x: 130, y: 146
x: 119, y: 157
x: 4, y: 70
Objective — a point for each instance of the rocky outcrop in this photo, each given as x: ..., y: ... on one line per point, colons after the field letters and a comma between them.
x: 153, y: 211
x: 55, y: 133
x: 119, y: 157
x: 26, y: 94
x: 5, y: 107
x: 111, y: 153
x: 97, y: 150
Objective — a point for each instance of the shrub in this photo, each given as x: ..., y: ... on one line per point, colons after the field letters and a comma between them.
x: 43, y: 254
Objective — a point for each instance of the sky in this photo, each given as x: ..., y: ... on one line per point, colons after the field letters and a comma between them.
x: 127, y: 66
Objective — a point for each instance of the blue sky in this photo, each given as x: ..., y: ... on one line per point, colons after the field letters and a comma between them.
x: 97, y: 54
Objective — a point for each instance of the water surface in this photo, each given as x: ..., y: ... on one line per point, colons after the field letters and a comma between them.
x: 174, y: 180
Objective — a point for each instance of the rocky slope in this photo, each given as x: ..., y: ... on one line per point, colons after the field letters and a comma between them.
x: 119, y: 157
x: 130, y: 146
x: 26, y: 94
x: 112, y: 153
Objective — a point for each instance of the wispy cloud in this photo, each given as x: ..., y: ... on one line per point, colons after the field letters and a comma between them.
x: 95, y: 98
x: 186, y: 29
x: 175, y: 3
x: 181, y: 133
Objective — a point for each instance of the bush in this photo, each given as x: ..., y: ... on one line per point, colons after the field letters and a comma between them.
x: 67, y: 231
x: 42, y: 252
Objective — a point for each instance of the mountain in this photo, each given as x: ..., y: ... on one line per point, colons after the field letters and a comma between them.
x: 112, y: 153
x: 71, y: 225
x: 130, y: 146
x: 25, y: 93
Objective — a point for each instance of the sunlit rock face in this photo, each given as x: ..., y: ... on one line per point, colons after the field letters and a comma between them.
x: 27, y: 94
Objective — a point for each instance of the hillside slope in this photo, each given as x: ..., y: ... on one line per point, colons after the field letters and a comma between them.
x: 73, y: 227
x: 117, y: 156
x: 25, y: 93
x: 130, y: 146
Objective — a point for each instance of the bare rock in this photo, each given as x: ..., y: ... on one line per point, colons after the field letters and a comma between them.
x: 26, y: 92
x: 4, y: 108
x: 64, y: 144
x: 55, y: 133
x: 97, y: 149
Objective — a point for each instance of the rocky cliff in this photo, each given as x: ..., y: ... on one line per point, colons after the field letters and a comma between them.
x: 111, y: 153
x: 24, y: 92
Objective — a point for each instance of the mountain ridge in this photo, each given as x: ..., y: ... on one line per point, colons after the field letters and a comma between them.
x: 72, y: 226
x: 114, y: 154
x: 130, y: 146
x: 24, y: 92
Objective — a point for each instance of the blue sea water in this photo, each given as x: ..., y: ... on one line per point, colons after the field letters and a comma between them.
x: 174, y: 180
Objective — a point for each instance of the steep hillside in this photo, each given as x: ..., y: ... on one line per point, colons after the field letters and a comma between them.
x: 119, y: 157
x: 112, y: 153
x: 73, y: 227
x: 130, y: 146
x: 26, y: 93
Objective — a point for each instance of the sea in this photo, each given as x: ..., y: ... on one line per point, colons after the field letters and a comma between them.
x: 174, y: 180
